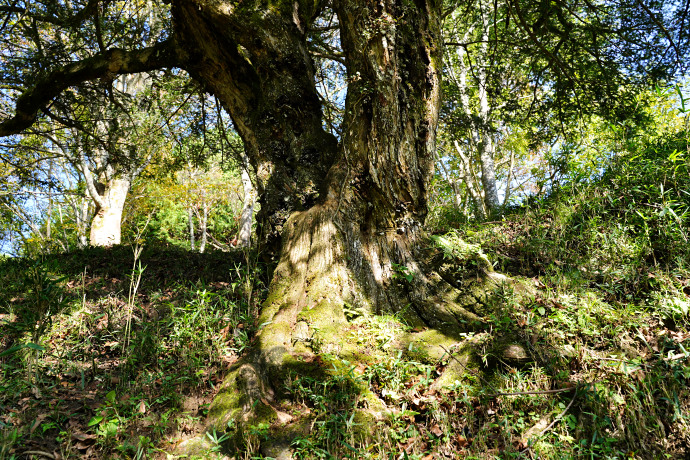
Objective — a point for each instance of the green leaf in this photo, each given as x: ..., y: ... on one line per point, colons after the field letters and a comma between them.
x: 350, y: 447
x: 12, y: 350
x: 16, y: 348
x: 682, y: 99
x: 95, y: 420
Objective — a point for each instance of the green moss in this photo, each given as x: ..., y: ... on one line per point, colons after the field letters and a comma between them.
x: 363, y: 421
x: 302, y: 366
x: 318, y: 313
x: 263, y: 413
x: 426, y: 346
x: 356, y: 354
x: 227, y: 404
x: 274, y: 301
x: 302, y: 348
x: 454, y: 247
x: 458, y: 367
x: 523, y: 287
x: 198, y: 447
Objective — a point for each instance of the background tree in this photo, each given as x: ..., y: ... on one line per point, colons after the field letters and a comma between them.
x: 198, y: 182
x: 520, y: 75
x: 38, y: 193
x: 99, y: 127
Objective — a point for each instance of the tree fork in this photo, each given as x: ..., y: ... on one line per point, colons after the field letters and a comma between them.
x: 349, y: 245
x: 255, y: 60
x: 350, y: 213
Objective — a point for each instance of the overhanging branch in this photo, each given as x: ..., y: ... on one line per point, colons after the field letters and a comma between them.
x: 103, y: 65
x: 72, y: 20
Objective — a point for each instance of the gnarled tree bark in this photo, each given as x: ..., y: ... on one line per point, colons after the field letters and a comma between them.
x: 343, y: 215
x: 349, y: 213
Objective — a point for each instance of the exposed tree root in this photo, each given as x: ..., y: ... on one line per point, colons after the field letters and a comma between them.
x: 310, y: 324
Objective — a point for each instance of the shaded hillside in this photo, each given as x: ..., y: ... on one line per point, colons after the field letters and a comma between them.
x: 95, y: 366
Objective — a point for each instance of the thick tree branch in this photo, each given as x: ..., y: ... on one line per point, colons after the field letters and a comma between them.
x: 90, y: 183
x: 334, y: 57
x: 103, y: 65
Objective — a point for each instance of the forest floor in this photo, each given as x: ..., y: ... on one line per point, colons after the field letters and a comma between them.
x: 105, y: 356
x: 98, y: 362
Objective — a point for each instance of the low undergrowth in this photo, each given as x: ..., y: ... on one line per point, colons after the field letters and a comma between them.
x: 566, y: 371
x: 584, y: 352
x: 105, y: 358
x: 560, y: 376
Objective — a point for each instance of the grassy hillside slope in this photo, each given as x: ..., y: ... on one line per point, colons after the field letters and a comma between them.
x: 584, y: 352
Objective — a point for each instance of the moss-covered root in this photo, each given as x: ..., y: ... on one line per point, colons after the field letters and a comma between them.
x: 257, y: 408
x: 253, y: 411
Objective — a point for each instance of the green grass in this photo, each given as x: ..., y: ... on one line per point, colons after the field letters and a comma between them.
x: 78, y: 381
x: 584, y: 355
x: 101, y: 399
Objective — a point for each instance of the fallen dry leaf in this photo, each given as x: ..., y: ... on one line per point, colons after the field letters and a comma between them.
x: 37, y: 423
x: 82, y: 445
x: 79, y: 436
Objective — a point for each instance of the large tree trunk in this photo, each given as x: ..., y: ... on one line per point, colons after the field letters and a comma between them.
x: 254, y: 58
x: 114, y: 181
x: 106, y: 223
x: 350, y: 219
